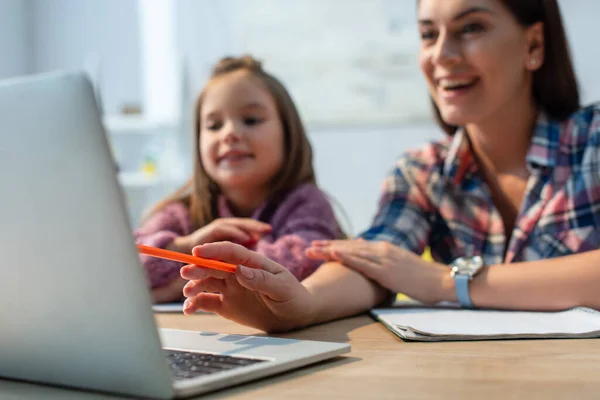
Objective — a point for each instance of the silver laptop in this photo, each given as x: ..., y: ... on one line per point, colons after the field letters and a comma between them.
x: 74, y: 306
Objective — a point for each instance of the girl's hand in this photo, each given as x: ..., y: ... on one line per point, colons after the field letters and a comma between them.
x: 392, y: 267
x: 170, y: 293
x: 245, y: 231
x: 261, y: 294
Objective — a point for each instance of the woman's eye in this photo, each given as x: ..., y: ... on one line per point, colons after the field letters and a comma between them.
x: 472, y: 28
x: 252, y: 121
x: 427, y: 35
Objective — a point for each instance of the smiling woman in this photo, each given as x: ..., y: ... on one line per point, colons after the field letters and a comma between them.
x: 497, y: 49
x: 514, y: 184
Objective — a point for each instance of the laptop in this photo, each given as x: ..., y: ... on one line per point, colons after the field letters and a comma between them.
x: 75, y: 308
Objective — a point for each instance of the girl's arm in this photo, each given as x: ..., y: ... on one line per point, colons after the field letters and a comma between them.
x: 306, y: 215
x: 160, y: 230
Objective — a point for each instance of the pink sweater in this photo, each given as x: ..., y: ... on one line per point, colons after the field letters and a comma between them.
x: 303, y: 216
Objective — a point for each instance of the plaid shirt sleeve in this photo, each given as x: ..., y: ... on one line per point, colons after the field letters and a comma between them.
x: 405, y: 212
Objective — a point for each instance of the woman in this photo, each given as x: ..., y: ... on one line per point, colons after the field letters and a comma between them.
x: 515, y: 184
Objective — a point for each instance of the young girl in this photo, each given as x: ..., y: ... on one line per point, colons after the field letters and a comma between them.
x: 510, y: 198
x: 253, y: 181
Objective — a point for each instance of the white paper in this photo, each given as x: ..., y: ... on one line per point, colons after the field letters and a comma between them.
x: 431, y: 324
x: 171, y: 308
x: 168, y: 308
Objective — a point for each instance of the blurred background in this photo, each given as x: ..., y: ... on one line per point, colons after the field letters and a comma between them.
x: 351, y: 66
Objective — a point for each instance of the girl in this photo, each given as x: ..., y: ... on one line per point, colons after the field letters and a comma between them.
x: 514, y: 187
x: 253, y: 180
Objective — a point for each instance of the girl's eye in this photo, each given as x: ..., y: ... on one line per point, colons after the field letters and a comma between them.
x: 214, y: 126
x: 252, y: 121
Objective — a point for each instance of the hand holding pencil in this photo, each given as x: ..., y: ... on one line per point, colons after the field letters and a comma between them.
x: 262, y: 293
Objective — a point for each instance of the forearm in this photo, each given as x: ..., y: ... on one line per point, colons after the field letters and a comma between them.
x: 553, y: 284
x: 168, y: 228
x: 290, y: 251
x: 340, y: 292
x: 159, y: 272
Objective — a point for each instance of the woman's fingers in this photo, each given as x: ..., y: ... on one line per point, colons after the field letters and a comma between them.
x: 360, y: 255
x: 209, y: 302
x: 317, y: 253
x: 194, y: 272
x: 254, y: 272
x: 326, y: 249
x: 212, y: 285
x: 324, y: 244
x: 276, y: 287
x: 363, y: 265
x: 235, y: 254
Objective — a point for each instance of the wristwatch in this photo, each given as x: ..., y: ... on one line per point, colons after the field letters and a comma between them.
x: 463, y: 271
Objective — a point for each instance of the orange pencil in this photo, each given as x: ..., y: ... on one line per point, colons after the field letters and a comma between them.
x: 185, y: 258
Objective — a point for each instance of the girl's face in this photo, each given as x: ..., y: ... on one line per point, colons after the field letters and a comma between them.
x: 476, y: 58
x: 241, y: 135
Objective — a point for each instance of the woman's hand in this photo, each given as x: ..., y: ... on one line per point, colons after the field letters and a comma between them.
x: 261, y: 294
x: 245, y: 231
x: 390, y: 266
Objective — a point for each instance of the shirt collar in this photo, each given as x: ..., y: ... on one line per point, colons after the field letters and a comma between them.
x: 542, y: 152
x: 544, y: 143
x: 459, y: 158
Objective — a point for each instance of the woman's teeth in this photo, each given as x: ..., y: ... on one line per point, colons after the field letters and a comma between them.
x: 453, y: 84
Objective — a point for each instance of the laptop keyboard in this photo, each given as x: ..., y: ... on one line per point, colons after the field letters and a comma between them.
x: 186, y: 365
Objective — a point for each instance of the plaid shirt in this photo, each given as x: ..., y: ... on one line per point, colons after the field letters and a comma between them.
x: 437, y: 197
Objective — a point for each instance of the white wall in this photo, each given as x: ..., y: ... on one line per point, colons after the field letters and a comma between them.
x: 581, y: 18
x: 160, y: 58
x: 351, y: 164
x: 57, y: 34
x: 15, y: 51
x: 67, y: 33
x: 205, y: 34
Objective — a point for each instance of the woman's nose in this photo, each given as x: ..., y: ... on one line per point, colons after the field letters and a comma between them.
x: 446, y: 51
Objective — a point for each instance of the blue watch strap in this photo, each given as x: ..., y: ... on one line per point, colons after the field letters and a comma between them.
x: 461, y: 282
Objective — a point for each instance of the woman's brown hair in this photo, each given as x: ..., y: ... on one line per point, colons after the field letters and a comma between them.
x: 555, y: 88
x: 200, y: 193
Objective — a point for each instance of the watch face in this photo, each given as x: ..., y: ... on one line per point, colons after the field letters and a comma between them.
x: 467, y: 265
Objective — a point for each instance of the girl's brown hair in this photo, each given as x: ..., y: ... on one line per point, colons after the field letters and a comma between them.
x: 200, y: 193
x: 555, y: 88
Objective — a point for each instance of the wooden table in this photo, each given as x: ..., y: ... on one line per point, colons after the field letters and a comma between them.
x: 381, y: 366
